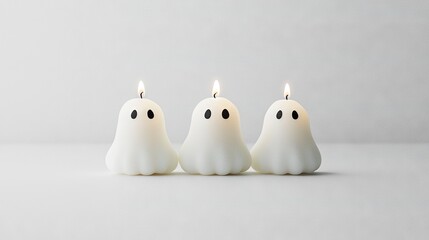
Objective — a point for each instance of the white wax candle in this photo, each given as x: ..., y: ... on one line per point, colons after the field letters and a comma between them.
x: 214, y: 144
x: 141, y: 144
x: 286, y: 144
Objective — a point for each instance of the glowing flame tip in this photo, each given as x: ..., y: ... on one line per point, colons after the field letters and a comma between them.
x: 287, y: 91
x: 216, y: 89
x: 141, y: 90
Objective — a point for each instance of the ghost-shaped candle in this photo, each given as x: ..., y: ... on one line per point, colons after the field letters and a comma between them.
x: 141, y: 144
x: 214, y: 144
x: 286, y: 144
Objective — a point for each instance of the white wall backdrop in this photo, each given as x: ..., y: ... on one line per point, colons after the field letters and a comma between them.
x: 360, y: 68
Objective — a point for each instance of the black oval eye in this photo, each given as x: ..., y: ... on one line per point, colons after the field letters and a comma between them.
x: 294, y: 115
x: 150, y: 114
x: 208, y: 114
x: 279, y: 114
x: 225, y: 114
x: 134, y: 114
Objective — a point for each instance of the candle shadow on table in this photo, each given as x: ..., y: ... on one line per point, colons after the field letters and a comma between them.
x: 319, y: 174
x: 249, y: 174
x: 290, y: 175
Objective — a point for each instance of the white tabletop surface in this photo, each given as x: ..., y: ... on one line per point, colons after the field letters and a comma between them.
x: 360, y: 192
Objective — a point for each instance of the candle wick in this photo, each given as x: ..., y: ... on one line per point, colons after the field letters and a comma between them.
x: 141, y: 95
x: 287, y: 96
x: 214, y: 95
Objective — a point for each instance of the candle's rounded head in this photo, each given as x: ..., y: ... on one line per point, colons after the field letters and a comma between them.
x: 287, y: 114
x: 141, y: 144
x: 214, y: 144
x: 141, y: 113
x: 219, y: 112
x: 286, y: 144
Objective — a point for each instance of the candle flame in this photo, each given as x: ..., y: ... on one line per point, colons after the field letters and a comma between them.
x: 141, y: 90
x: 216, y: 88
x: 287, y: 91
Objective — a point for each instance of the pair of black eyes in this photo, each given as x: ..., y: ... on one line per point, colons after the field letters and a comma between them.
x: 294, y: 114
x: 208, y: 114
x: 150, y: 114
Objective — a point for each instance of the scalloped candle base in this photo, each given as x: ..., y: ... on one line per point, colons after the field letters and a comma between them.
x: 226, y: 160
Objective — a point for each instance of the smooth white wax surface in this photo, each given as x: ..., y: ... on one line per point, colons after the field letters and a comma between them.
x: 141, y: 145
x: 215, y: 145
x: 286, y: 144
